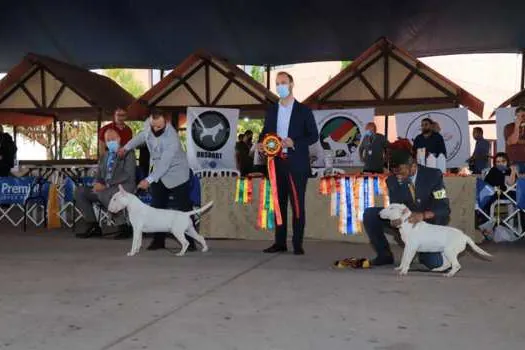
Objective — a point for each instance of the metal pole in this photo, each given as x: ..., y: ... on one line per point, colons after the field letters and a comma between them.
x: 99, y: 125
x: 161, y: 74
x: 61, y: 139
x: 268, y: 68
x: 522, y: 84
x: 55, y: 136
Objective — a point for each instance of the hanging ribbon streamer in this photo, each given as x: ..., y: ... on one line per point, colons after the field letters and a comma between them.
x: 261, y: 215
x: 350, y: 222
x: 243, y: 190
x: 272, y: 148
x: 384, y: 191
x: 342, y: 206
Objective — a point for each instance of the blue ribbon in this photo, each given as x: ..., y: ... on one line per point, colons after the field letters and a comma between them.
x: 365, y: 193
x: 349, y: 206
x: 376, y: 186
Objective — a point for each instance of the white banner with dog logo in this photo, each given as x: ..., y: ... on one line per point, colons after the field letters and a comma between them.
x: 454, y: 129
x: 340, y: 133
x: 211, y: 136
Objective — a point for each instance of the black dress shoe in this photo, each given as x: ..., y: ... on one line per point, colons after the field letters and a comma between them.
x: 156, y: 245
x: 383, y: 260
x: 275, y: 249
x: 93, y: 231
x: 126, y: 232
x: 298, y: 251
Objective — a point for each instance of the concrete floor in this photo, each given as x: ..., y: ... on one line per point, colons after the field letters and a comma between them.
x: 58, y: 292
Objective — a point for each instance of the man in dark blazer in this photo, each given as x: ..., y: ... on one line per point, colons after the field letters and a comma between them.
x: 422, y: 190
x: 112, y: 171
x: 295, y: 125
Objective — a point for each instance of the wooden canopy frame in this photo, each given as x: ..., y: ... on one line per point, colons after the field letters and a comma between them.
x: 204, y: 80
x: 391, y: 80
x: 515, y: 100
x: 44, y: 86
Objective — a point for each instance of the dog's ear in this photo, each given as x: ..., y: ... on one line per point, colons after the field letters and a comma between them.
x: 404, y: 211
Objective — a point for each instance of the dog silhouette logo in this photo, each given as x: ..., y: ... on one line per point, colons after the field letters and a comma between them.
x: 341, y: 135
x: 210, y: 130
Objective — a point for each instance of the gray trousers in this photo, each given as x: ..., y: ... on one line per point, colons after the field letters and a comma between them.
x: 85, y: 197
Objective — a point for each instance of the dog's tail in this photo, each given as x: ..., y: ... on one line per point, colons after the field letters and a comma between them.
x: 201, y: 209
x: 476, y: 248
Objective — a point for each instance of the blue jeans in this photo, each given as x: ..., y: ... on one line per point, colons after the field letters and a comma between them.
x: 375, y: 229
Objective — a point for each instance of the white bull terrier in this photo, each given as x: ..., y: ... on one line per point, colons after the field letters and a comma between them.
x: 427, y: 238
x: 144, y: 218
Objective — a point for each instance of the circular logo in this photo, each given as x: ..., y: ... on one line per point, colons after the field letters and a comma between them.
x: 272, y: 145
x: 450, y: 130
x: 341, y: 135
x: 210, y: 130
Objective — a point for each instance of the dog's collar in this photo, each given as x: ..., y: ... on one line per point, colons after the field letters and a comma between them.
x: 404, y: 219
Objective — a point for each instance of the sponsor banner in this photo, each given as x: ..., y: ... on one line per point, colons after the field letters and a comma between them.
x: 454, y: 129
x: 211, y: 136
x: 340, y: 133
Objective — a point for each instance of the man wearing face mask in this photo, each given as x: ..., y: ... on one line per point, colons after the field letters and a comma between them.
x: 170, y: 172
x: 112, y: 171
x: 422, y: 190
x: 294, y: 123
x: 372, y: 150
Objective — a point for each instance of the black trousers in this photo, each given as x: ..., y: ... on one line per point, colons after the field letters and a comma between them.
x: 177, y: 198
x: 283, y: 173
x: 5, y: 170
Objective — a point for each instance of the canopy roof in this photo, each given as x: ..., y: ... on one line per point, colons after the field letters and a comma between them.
x: 204, y: 80
x: 21, y: 119
x: 44, y: 86
x: 391, y: 80
x: 516, y: 100
x: 159, y: 33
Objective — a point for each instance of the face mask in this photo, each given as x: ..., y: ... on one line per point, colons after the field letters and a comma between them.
x: 113, y: 146
x: 368, y: 133
x: 158, y: 132
x: 502, y: 168
x: 283, y: 90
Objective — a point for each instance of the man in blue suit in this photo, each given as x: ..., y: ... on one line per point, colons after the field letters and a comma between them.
x: 422, y: 190
x: 295, y: 125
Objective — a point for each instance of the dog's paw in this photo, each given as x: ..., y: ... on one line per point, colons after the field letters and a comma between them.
x: 397, y: 268
x: 205, y: 249
x: 130, y: 254
x: 180, y: 254
x: 402, y: 272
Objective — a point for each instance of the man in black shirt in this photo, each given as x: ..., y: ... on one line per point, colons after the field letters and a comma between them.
x: 7, y: 153
x: 430, y: 140
x: 242, y: 154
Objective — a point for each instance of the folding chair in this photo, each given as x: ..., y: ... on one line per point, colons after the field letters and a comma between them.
x: 36, y: 196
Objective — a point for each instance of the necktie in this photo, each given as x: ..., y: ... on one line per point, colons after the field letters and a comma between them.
x: 412, y: 189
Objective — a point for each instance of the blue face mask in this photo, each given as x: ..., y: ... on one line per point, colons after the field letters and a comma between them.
x: 502, y: 168
x: 283, y: 90
x: 368, y: 133
x: 113, y: 146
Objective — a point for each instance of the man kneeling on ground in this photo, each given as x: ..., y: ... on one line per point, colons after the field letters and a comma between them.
x: 112, y: 171
x: 422, y: 190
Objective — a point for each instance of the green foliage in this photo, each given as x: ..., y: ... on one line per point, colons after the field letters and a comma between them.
x: 125, y: 79
x: 81, y: 137
x: 345, y: 64
x: 254, y: 125
x: 257, y: 73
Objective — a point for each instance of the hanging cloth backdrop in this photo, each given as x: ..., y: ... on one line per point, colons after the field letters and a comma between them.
x: 504, y: 116
x: 454, y: 129
x: 211, y: 137
x: 340, y: 133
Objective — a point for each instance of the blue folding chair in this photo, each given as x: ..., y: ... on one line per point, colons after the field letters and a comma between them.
x: 37, y: 195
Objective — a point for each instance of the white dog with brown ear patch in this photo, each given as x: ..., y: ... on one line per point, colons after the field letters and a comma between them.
x: 144, y: 218
x: 427, y: 238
